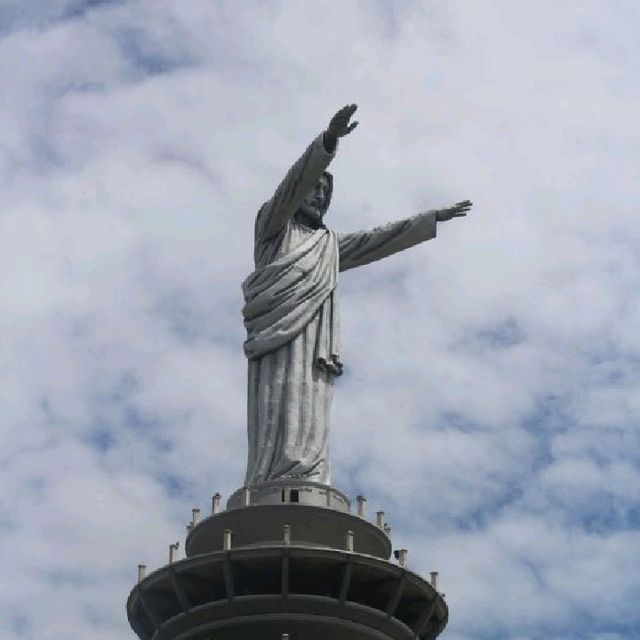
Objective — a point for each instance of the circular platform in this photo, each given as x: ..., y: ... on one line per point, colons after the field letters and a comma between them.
x: 310, y: 593
x: 263, y: 525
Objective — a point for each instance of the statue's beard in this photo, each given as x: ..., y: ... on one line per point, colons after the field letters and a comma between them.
x: 310, y: 215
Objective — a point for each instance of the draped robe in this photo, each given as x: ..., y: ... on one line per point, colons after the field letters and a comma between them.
x: 292, y: 319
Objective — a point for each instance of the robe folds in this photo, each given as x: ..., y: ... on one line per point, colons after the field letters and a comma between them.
x: 292, y: 319
x: 284, y: 296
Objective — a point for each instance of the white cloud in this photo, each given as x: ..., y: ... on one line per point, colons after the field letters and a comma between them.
x: 490, y: 400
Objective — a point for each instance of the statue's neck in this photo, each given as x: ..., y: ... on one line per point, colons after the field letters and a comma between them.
x: 306, y: 220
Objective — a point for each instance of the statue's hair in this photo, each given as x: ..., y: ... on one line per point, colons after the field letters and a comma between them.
x: 327, y: 199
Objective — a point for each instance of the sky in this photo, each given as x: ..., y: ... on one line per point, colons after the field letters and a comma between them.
x: 490, y: 399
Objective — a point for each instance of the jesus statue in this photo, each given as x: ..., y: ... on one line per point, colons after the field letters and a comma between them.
x: 291, y: 310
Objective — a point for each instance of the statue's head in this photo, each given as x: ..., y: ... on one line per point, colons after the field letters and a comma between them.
x: 316, y: 202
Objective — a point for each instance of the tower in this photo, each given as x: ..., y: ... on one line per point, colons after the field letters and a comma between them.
x: 287, y: 560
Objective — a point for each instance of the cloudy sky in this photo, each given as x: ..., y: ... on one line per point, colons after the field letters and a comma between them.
x: 490, y: 403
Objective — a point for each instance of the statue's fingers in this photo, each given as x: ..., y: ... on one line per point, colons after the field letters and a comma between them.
x: 352, y: 127
x: 343, y: 115
x: 350, y: 112
x: 340, y: 112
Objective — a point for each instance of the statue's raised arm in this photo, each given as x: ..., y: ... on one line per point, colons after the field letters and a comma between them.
x: 301, y: 179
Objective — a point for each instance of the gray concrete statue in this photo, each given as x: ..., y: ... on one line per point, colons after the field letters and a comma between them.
x: 291, y: 310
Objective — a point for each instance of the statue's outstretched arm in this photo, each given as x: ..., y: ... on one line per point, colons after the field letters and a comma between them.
x: 363, y: 247
x: 304, y: 174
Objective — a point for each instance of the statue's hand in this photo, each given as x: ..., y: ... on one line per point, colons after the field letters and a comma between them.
x: 339, y: 125
x: 458, y: 210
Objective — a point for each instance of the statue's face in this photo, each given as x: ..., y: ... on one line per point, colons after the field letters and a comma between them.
x: 313, y: 202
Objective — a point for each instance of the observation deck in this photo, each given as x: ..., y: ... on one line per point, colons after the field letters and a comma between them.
x: 287, y: 560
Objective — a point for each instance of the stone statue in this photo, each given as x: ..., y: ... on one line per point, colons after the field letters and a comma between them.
x: 291, y: 311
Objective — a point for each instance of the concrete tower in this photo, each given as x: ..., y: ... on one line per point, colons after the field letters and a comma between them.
x: 286, y: 560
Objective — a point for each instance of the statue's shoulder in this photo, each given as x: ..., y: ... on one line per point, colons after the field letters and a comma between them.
x: 259, y: 221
